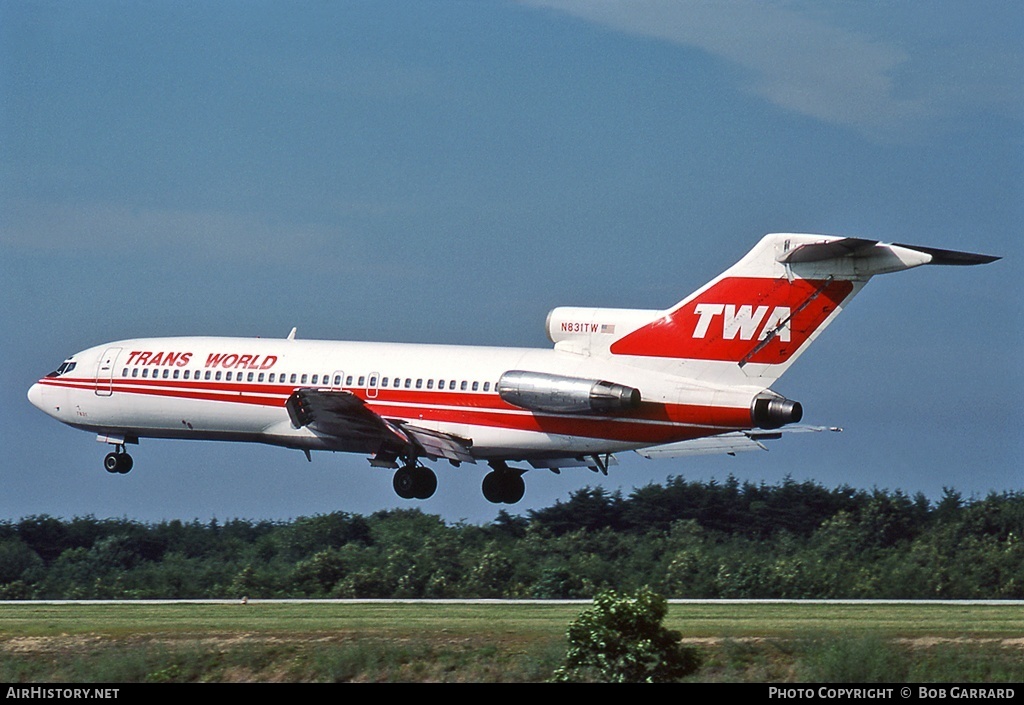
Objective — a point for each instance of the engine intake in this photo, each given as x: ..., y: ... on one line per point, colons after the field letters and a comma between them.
x: 775, y: 411
x: 539, y: 391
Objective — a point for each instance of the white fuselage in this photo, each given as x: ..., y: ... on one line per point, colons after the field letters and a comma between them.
x: 236, y: 389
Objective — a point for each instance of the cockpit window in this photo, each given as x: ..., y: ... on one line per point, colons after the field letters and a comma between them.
x: 65, y: 367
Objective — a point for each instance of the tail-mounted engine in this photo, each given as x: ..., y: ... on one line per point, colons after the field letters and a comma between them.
x: 539, y: 391
x: 770, y: 410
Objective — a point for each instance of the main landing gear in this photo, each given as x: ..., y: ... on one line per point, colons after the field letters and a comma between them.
x: 118, y: 462
x: 503, y: 485
x: 414, y: 481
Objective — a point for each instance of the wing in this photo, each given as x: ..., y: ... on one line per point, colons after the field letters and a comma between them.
x: 437, y: 444
x: 346, y: 418
x: 731, y: 443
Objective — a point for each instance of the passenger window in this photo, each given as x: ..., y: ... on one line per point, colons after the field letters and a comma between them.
x: 145, y: 373
x: 476, y: 386
x: 260, y: 377
x: 177, y: 373
x: 302, y: 379
x: 408, y: 382
x: 218, y: 375
x: 373, y: 381
x: 487, y: 386
x: 430, y: 384
x: 464, y: 385
x: 166, y: 373
x: 135, y: 372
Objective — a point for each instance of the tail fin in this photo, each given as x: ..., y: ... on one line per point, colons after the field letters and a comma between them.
x: 763, y: 312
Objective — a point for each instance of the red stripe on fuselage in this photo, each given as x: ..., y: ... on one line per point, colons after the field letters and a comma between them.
x: 652, y: 423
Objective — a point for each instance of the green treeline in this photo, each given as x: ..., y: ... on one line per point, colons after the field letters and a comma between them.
x: 682, y: 539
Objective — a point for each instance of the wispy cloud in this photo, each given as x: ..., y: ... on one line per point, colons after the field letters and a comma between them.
x: 127, y: 231
x: 793, y: 56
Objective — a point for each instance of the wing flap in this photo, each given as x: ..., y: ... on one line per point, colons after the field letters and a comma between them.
x: 344, y: 416
x: 600, y: 462
x: 436, y: 444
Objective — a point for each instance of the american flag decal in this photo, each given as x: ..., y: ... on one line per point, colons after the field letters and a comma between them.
x: 605, y: 328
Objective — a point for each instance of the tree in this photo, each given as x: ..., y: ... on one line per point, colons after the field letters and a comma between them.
x: 621, y: 640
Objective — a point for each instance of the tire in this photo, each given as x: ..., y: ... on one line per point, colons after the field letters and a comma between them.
x: 405, y: 483
x: 514, y: 489
x: 503, y: 487
x: 492, y: 488
x: 424, y: 483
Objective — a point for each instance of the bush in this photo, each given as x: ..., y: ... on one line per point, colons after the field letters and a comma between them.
x: 621, y: 640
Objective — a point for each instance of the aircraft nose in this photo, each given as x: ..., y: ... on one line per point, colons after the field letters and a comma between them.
x: 35, y: 395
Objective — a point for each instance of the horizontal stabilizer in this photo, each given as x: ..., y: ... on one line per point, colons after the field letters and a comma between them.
x: 951, y: 256
x: 729, y: 443
x: 831, y: 249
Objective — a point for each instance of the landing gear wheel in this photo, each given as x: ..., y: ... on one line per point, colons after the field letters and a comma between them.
x: 412, y: 482
x: 425, y: 483
x: 405, y: 483
x: 492, y: 488
x: 503, y: 487
x: 118, y: 463
x: 515, y: 488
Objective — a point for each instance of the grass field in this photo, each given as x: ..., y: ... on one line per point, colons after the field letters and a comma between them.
x: 779, y: 642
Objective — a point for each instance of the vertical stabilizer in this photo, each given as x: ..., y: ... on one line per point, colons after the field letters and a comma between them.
x: 757, y: 317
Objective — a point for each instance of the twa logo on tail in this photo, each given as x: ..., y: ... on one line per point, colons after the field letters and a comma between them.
x: 741, y: 319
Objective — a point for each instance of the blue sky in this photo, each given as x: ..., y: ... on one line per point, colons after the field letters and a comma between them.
x: 450, y: 171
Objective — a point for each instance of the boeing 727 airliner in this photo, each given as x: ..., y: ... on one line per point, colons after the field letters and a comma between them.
x: 693, y: 378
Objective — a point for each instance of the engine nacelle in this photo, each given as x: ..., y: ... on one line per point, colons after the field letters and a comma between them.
x: 773, y: 411
x: 539, y: 391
